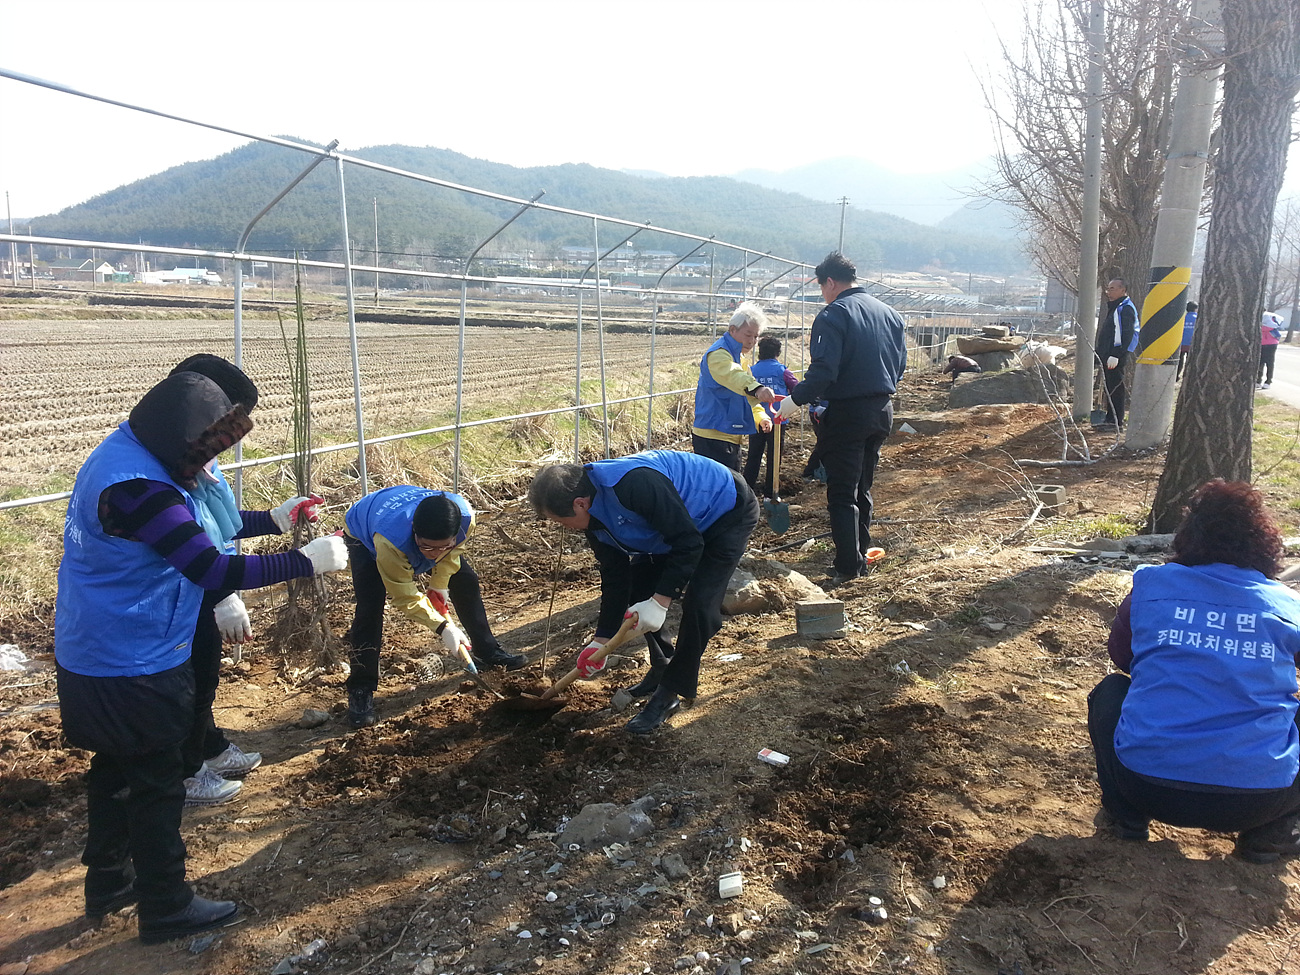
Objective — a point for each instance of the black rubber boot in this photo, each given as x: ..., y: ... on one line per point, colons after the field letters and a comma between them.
x: 1270, y: 842
x: 361, y: 708
x: 109, y: 889
x: 200, y: 914
x: 497, y: 657
x: 662, y: 703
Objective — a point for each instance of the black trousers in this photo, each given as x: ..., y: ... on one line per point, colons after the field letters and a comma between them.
x: 1267, y: 360
x: 367, y: 632
x: 1116, y: 391
x: 725, y: 453
x: 759, y: 444
x: 814, y: 458
x: 852, y: 433
x: 1134, y: 800
x: 205, y: 739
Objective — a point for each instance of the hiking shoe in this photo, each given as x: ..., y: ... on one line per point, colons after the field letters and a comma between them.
x: 661, y: 704
x: 1269, y: 843
x: 109, y: 890
x: 496, y: 657
x: 839, y: 578
x: 234, y: 762
x: 1132, y: 830
x: 361, y: 708
x: 207, y: 788
x: 198, y: 915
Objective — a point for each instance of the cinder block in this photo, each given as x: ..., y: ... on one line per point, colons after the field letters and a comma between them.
x: 819, y: 618
x: 1051, y: 495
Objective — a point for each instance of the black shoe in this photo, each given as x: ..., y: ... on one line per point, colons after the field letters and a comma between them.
x: 649, y: 683
x: 662, y: 703
x: 200, y: 914
x: 1133, y: 830
x: 361, y: 708
x: 1270, y: 844
x: 839, y: 578
x: 499, y: 658
x: 109, y: 890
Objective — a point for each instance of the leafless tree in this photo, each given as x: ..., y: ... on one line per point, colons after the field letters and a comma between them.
x: 1284, y: 264
x: 1039, y: 107
x: 1211, y: 435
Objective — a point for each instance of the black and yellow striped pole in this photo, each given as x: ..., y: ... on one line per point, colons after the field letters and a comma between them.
x: 1161, y: 319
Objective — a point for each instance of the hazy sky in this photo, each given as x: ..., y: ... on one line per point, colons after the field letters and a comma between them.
x: 699, y: 87
x: 683, y: 87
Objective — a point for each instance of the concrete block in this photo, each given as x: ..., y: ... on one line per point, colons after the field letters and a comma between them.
x: 1051, y: 495
x: 820, y: 618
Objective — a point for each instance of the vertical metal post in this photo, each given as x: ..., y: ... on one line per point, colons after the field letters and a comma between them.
x: 600, y: 336
x: 375, y: 201
x: 352, y: 331
x: 577, y: 393
x: 654, y: 325
x: 1085, y: 312
x: 13, y: 245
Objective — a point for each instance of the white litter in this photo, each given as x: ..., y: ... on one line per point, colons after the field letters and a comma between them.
x: 11, y: 658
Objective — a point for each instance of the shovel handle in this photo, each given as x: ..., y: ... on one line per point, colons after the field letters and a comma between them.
x: 472, y: 667
x: 614, y: 642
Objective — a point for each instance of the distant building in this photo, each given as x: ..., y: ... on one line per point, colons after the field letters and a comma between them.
x: 81, y: 271
x: 181, y: 275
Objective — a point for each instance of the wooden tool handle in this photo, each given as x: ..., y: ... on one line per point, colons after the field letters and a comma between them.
x: 615, y: 641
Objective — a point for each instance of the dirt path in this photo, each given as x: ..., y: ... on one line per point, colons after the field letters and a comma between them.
x: 939, y: 761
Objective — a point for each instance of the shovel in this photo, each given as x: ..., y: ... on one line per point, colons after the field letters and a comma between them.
x: 472, y: 669
x: 777, y: 511
x: 548, y: 700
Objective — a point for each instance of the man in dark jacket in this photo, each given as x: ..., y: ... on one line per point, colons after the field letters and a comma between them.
x: 663, y: 525
x: 1115, y: 334
x: 857, y: 357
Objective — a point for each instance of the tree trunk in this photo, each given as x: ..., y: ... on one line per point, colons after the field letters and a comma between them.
x: 1211, y: 435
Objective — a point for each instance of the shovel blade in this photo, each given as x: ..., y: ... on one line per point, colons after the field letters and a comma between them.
x: 778, y: 516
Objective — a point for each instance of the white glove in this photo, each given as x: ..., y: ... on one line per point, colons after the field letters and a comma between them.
x: 327, y: 554
x: 295, y: 510
x: 232, y: 619
x: 650, y: 616
x: 1112, y: 362
x: 787, y: 408
x: 453, y: 637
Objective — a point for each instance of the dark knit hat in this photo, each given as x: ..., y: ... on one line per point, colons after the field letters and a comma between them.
x: 186, y: 421
x: 234, y: 382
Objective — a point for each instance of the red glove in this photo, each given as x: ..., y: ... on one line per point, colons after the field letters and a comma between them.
x: 777, y: 415
x: 438, y: 597
x: 588, y: 668
x: 295, y: 510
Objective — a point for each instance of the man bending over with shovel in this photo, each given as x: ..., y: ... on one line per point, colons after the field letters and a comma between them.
x: 663, y: 525
x: 393, y: 536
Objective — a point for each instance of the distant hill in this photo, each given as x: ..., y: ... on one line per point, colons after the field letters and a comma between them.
x: 206, y: 204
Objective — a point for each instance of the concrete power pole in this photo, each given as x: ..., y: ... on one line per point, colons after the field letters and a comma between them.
x: 844, y: 203
x: 1085, y: 310
x: 1171, y: 254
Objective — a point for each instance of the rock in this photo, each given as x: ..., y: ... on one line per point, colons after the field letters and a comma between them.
x: 1034, y: 385
x: 1101, y: 544
x: 732, y: 924
x: 674, y: 867
x: 745, y: 594
x: 1147, y: 544
x: 975, y: 345
x: 995, y: 361
x: 25, y: 792
x: 601, y: 823
x: 312, y: 718
x: 14, y: 968
x: 684, y: 961
x: 426, y: 966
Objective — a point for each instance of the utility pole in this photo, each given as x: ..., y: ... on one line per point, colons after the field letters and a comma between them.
x: 1171, y: 254
x: 844, y: 203
x: 1085, y: 311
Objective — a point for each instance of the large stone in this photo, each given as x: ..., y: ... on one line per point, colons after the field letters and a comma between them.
x: 1013, y: 386
x: 601, y: 823
x: 976, y: 344
x: 995, y: 361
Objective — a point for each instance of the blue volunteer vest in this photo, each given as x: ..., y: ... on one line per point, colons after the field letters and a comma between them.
x: 771, y: 373
x: 390, y: 513
x: 121, y: 609
x: 1213, y: 678
x: 717, y: 407
x: 706, y: 488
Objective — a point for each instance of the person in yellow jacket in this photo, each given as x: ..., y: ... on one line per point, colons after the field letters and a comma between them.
x: 394, y: 535
x: 728, y: 397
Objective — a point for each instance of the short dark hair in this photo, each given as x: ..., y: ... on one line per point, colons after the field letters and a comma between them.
x: 769, y: 348
x: 1226, y: 522
x: 436, y: 517
x: 556, y: 487
x: 837, y: 267
x: 1192, y: 306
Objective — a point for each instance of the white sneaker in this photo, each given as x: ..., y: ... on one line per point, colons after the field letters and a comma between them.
x: 234, y: 762
x: 207, y: 788
x: 1266, y: 385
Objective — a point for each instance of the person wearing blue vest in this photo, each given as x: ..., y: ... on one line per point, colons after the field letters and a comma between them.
x: 394, y: 535
x: 1116, y: 338
x: 727, y: 397
x: 138, y: 554
x: 213, y: 763
x: 773, y: 374
x: 664, y: 526
x: 1189, y: 331
x: 1200, y: 729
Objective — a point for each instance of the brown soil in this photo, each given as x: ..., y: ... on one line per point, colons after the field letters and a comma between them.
x: 943, y: 737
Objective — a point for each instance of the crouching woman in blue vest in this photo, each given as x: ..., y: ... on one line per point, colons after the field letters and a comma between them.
x: 393, y: 536
x: 663, y: 525
x: 138, y: 555
x: 1201, y: 729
